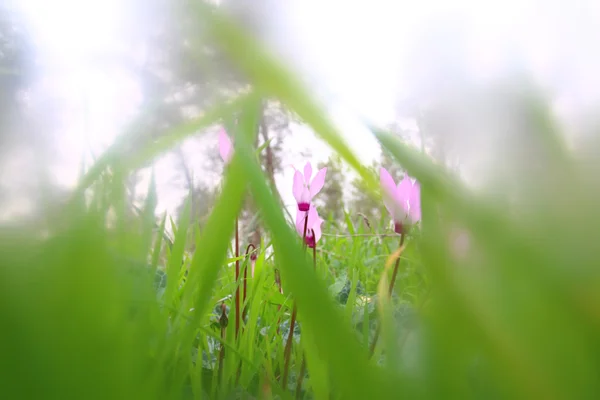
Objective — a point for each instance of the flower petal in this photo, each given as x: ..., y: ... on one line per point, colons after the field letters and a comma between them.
x: 307, y: 172
x: 389, y: 194
x: 305, y: 196
x: 225, y: 146
x: 317, y: 229
x: 317, y: 183
x: 386, y: 180
x: 300, y: 216
x: 313, y: 217
x: 405, y: 188
x: 414, y: 203
x: 298, y: 186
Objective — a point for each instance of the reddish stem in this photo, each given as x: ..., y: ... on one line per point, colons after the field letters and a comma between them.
x: 395, y: 273
x: 288, y: 348
x: 390, y: 291
x: 303, y: 365
x: 288, y: 345
x: 246, y: 279
x: 304, y: 232
x: 278, y: 283
x: 223, y: 322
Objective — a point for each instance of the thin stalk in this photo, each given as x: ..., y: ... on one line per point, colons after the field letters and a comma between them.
x: 288, y: 349
x: 303, y: 365
x: 395, y: 273
x: 390, y: 291
x: 223, y: 321
x: 246, y: 279
x: 239, y: 370
x: 288, y: 345
x: 237, y: 278
x: 304, y: 231
x: 278, y: 283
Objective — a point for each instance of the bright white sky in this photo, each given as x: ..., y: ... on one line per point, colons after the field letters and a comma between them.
x: 364, y: 54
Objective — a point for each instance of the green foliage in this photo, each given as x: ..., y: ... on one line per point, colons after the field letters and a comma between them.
x: 331, y: 197
x: 86, y: 311
x: 367, y: 209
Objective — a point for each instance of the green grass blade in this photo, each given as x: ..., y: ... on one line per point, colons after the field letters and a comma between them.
x: 176, y: 256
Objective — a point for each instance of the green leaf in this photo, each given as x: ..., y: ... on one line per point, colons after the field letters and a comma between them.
x: 264, y: 145
x: 349, y: 223
x: 176, y: 256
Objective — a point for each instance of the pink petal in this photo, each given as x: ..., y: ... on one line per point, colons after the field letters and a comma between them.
x: 386, y: 181
x: 389, y: 193
x: 317, y: 183
x: 298, y: 186
x: 317, y: 229
x: 300, y: 216
x: 307, y: 172
x: 225, y: 146
x: 414, y: 203
x: 313, y: 217
x: 313, y: 221
x: 405, y: 188
x: 305, y: 196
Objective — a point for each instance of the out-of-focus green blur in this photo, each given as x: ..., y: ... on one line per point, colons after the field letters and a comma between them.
x: 498, y: 295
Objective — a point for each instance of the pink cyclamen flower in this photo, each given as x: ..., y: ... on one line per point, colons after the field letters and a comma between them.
x: 304, y: 189
x: 313, y: 226
x: 403, y: 201
x: 225, y: 146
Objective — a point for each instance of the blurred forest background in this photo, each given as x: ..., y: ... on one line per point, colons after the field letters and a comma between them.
x: 171, y: 72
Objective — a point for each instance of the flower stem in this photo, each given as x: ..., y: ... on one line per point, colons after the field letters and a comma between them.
x: 239, y: 370
x: 237, y: 278
x: 305, y: 226
x: 390, y: 291
x: 223, y: 322
x: 303, y: 365
x: 246, y: 279
x: 288, y: 348
x: 278, y: 283
x: 395, y: 273
x: 288, y: 345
